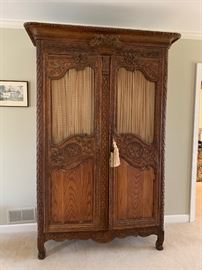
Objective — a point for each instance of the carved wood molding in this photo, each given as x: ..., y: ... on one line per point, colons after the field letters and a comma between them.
x: 103, y: 236
x: 137, y: 53
x: 72, y: 152
x: 136, y: 152
x: 122, y: 49
x: 57, y: 66
x: 40, y: 147
x: 63, y: 32
x: 150, y: 68
x: 164, y: 100
x: 104, y: 139
x: 65, y: 48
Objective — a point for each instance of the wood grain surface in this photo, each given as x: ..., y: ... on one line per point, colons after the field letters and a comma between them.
x: 73, y: 195
x: 133, y: 194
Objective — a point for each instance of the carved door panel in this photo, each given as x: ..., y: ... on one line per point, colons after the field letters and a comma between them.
x: 76, y: 192
x: 134, y: 191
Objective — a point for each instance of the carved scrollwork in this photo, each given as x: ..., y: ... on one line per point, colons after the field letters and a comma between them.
x: 57, y: 65
x: 132, y: 62
x: 130, y: 58
x: 136, y: 152
x: 151, y: 69
x: 71, y: 152
x: 105, y: 40
x: 80, y: 59
x: 102, y: 236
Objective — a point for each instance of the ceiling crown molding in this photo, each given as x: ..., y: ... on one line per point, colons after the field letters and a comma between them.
x: 11, y: 24
x: 192, y: 35
x: 18, y: 24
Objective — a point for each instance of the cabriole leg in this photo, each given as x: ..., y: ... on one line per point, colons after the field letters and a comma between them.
x: 41, y: 248
x: 160, y: 240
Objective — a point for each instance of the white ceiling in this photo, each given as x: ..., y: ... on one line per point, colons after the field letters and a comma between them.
x: 184, y: 16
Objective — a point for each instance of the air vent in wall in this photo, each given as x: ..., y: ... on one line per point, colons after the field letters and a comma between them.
x: 24, y: 215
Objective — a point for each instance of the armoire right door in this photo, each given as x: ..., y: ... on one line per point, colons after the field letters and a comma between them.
x: 135, y: 185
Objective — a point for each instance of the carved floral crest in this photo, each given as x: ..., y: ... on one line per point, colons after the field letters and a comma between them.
x: 105, y: 40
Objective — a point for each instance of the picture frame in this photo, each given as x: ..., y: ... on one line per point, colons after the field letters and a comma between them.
x: 13, y: 93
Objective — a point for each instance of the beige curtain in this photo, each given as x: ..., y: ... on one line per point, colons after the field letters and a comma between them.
x: 73, y: 104
x: 135, y: 104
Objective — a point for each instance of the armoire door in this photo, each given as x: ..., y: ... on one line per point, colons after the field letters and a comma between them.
x: 134, y: 185
x: 76, y: 197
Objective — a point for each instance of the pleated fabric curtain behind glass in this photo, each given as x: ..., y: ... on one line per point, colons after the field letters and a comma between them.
x: 135, y: 104
x: 73, y: 104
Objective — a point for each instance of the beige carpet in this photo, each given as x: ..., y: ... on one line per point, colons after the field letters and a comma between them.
x: 182, y: 251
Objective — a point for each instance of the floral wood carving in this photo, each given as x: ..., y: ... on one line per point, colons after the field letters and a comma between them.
x: 136, y: 152
x: 151, y: 69
x: 80, y: 59
x: 105, y: 40
x: 57, y: 65
x: 131, y: 62
x: 72, y: 152
x: 130, y: 58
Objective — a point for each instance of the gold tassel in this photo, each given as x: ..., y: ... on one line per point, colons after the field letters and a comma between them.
x: 114, y: 157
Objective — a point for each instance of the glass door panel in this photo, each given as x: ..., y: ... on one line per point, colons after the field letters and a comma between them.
x: 135, y: 104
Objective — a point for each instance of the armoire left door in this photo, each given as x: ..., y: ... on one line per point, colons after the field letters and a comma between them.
x: 76, y: 197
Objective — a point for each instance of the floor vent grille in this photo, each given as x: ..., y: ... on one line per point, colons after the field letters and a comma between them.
x: 25, y: 215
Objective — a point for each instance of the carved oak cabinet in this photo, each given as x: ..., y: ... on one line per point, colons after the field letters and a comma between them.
x: 96, y: 87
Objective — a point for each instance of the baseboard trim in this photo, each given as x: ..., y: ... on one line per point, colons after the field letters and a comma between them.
x: 32, y: 227
x: 176, y: 219
x: 17, y: 228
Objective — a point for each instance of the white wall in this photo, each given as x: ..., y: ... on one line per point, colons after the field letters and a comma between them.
x: 183, y: 56
x: 18, y: 128
x: 17, y: 125
x: 200, y: 116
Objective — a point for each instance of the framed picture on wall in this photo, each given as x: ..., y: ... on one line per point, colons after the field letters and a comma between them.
x: 14, y: 93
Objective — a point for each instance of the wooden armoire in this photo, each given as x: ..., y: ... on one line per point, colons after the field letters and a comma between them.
x: 101, y: 101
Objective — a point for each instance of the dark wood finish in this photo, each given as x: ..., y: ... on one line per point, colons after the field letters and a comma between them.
x: 78, y: 195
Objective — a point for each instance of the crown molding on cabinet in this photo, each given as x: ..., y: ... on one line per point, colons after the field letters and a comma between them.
x: 17, y: 24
